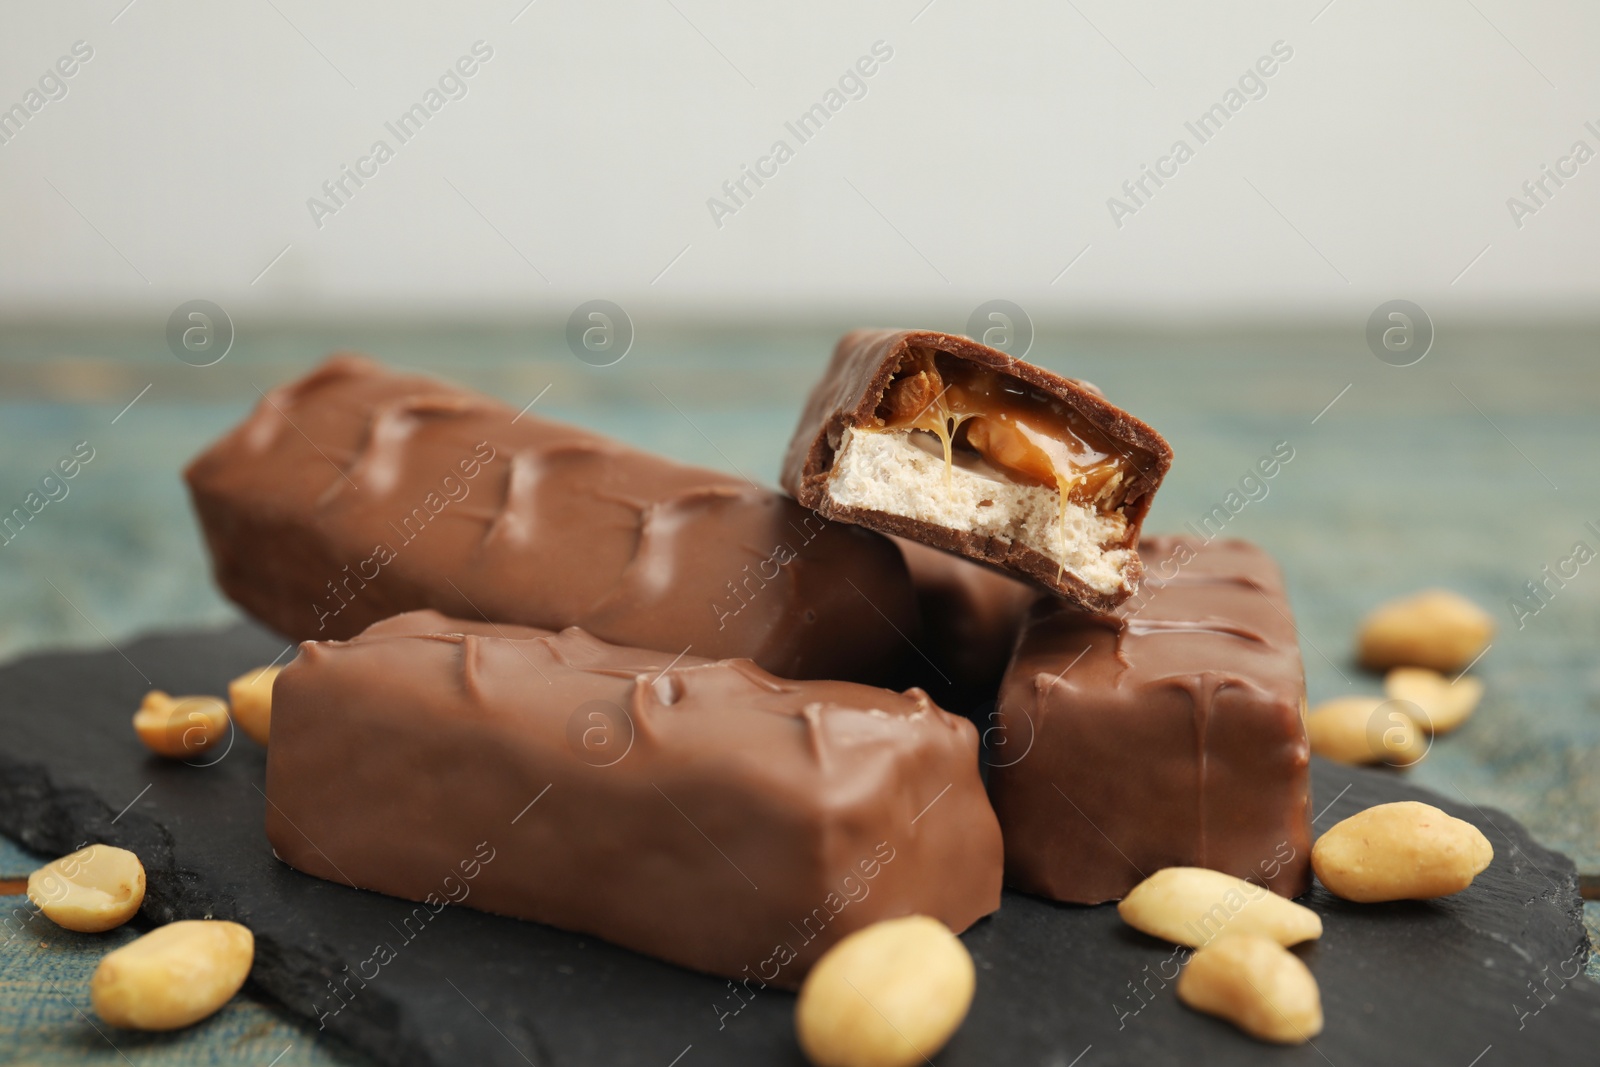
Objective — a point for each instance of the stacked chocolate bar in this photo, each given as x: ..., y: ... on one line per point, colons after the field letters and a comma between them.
x: 1169, y: 733
x: 650, y: 690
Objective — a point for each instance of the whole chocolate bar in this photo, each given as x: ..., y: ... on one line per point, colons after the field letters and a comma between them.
x: 1171, y: 733
x: 946, y: 441
x: 356, y: 493
x: 704, y: 812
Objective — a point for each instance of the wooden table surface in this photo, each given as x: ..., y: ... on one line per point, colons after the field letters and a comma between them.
x: 1473, y: 469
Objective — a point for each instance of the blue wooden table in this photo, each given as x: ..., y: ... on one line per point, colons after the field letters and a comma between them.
x: 1473, y: 469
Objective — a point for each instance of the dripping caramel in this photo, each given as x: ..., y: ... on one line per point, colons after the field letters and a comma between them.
x: 1028, y: 435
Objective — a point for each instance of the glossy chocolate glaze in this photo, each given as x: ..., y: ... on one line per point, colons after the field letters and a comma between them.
x: 356, y: 493
x: 1169, y: 733
x: 415, y: 623
x: 704, y: 812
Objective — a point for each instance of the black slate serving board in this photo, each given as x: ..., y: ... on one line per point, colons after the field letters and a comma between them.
x: 1488, y: 977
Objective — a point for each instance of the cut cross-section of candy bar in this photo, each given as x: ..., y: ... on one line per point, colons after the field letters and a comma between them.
x: 942, y: 440
x: 1170, y: 733
x: 703, y: 812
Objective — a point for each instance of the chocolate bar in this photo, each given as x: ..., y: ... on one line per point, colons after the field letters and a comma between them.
x: 942, y: 440
x: 703, y: 812
x: 971, y: 615
x: 1170, y: 733
x: 356, y: 493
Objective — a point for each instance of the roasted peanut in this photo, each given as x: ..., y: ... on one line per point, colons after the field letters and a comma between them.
x: 1434, y: 628
x: 1447, y: 704
x: 250, y: 701
x: 1192, y: 905
x: 1257, y: 985
x: 1362, y: 730
x: 173, y: 976
x: 888, y: 995
x: 1400, y: 851
x: 180, y: 727
x: 91, y: 890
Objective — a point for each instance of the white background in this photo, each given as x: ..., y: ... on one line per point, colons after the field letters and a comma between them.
x: 979, y: 164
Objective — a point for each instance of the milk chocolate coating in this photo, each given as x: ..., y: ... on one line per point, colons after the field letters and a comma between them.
x: 1169, y: 734
x: 971, y: 616
x: 416, y: 623
x: 849, y: 394
x: 704, y: 812
x: 356, y: 493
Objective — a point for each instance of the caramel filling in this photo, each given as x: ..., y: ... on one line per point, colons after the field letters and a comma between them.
x: 1023, y: 433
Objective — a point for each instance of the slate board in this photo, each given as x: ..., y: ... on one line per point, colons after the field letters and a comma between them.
x: 1486, y: 977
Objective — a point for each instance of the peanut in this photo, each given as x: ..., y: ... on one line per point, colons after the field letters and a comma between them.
x: 250, y: 700
x: 1363, y: 730
x: 1257, y: 985
x: 1400, y: 851
x: 94, y: 889
x: 180, y: 727
x: 1192, y: 905
x: 1447, y: 704
x: 888, y: 995
x: 1434, y: 628
x: 173, y: 976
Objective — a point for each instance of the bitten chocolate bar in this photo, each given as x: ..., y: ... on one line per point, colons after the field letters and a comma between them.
x: 1171, y: 733
x: 356, y: 493
x: 949, y: 442
x: 704, y: 812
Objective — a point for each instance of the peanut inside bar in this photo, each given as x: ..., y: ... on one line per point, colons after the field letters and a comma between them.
x: 1025, y: 433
